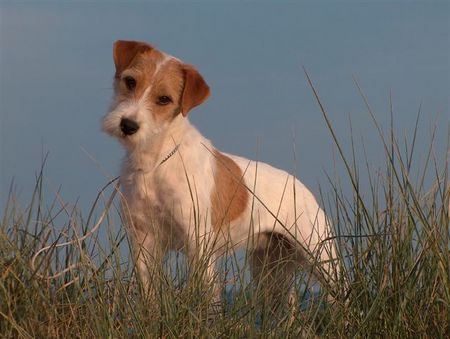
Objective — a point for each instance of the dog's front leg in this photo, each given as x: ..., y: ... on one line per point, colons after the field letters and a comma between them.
x: 148, y: 256
x: 211, y: 279
x: 202, y: 263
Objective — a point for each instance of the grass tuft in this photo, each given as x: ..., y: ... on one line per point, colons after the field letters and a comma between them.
x: 394, y: 259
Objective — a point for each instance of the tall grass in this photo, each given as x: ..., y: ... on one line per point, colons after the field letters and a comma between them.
x: 394, y: 260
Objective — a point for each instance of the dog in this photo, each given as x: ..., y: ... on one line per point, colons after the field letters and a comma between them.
x: 179, y: 191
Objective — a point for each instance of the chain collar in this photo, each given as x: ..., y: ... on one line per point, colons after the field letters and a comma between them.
x: 169, y: 155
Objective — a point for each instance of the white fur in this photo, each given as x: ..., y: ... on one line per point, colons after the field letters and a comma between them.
x: 168, y: 205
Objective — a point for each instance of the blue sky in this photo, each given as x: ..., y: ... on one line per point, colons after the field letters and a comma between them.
x: 56, y: 70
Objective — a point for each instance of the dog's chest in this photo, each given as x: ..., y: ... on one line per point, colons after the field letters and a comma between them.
x: 145, y: 199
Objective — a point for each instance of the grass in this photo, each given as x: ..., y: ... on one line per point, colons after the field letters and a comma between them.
x: 394, y: 258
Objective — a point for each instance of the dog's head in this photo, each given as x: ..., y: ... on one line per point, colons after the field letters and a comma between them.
x: 151, y: 90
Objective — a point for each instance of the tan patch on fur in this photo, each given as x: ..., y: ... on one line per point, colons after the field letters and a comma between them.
x: 142, y: 68
x: 164, y: 75
x: 230, y: 197
x: 196, y: 90
x: 168, y: 82
x: 125, y: 51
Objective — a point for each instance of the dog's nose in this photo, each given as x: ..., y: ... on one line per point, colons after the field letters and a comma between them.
x: 128, y: 126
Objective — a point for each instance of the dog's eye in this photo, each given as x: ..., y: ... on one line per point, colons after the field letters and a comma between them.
x: 164, y: 100
x: 130, y: 82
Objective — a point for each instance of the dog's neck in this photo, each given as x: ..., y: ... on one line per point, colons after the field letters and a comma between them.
x: 148, y: 157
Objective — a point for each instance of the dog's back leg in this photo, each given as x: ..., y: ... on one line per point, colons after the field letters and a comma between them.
x: 273, y: 261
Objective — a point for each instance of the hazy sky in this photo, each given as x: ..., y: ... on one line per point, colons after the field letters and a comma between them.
x: 56, y: 70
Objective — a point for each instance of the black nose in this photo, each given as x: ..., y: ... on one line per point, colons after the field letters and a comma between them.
x: 128, y: 126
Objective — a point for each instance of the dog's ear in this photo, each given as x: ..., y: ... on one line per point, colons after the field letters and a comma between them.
x: 195, y: 90
x: 125, y: 51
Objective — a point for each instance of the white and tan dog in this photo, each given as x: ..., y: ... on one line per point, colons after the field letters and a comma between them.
x: 178, y: 190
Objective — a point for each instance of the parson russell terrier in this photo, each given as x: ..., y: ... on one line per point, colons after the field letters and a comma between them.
x: 179, y: 192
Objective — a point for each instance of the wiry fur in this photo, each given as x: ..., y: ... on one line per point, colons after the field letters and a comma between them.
x: 189, y: 198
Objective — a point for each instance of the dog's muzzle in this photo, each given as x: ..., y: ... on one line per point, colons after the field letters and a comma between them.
x: 128, y: 127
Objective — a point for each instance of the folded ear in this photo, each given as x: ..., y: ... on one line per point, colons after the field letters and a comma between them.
x: 125, y: 51
x: 195, y: 90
